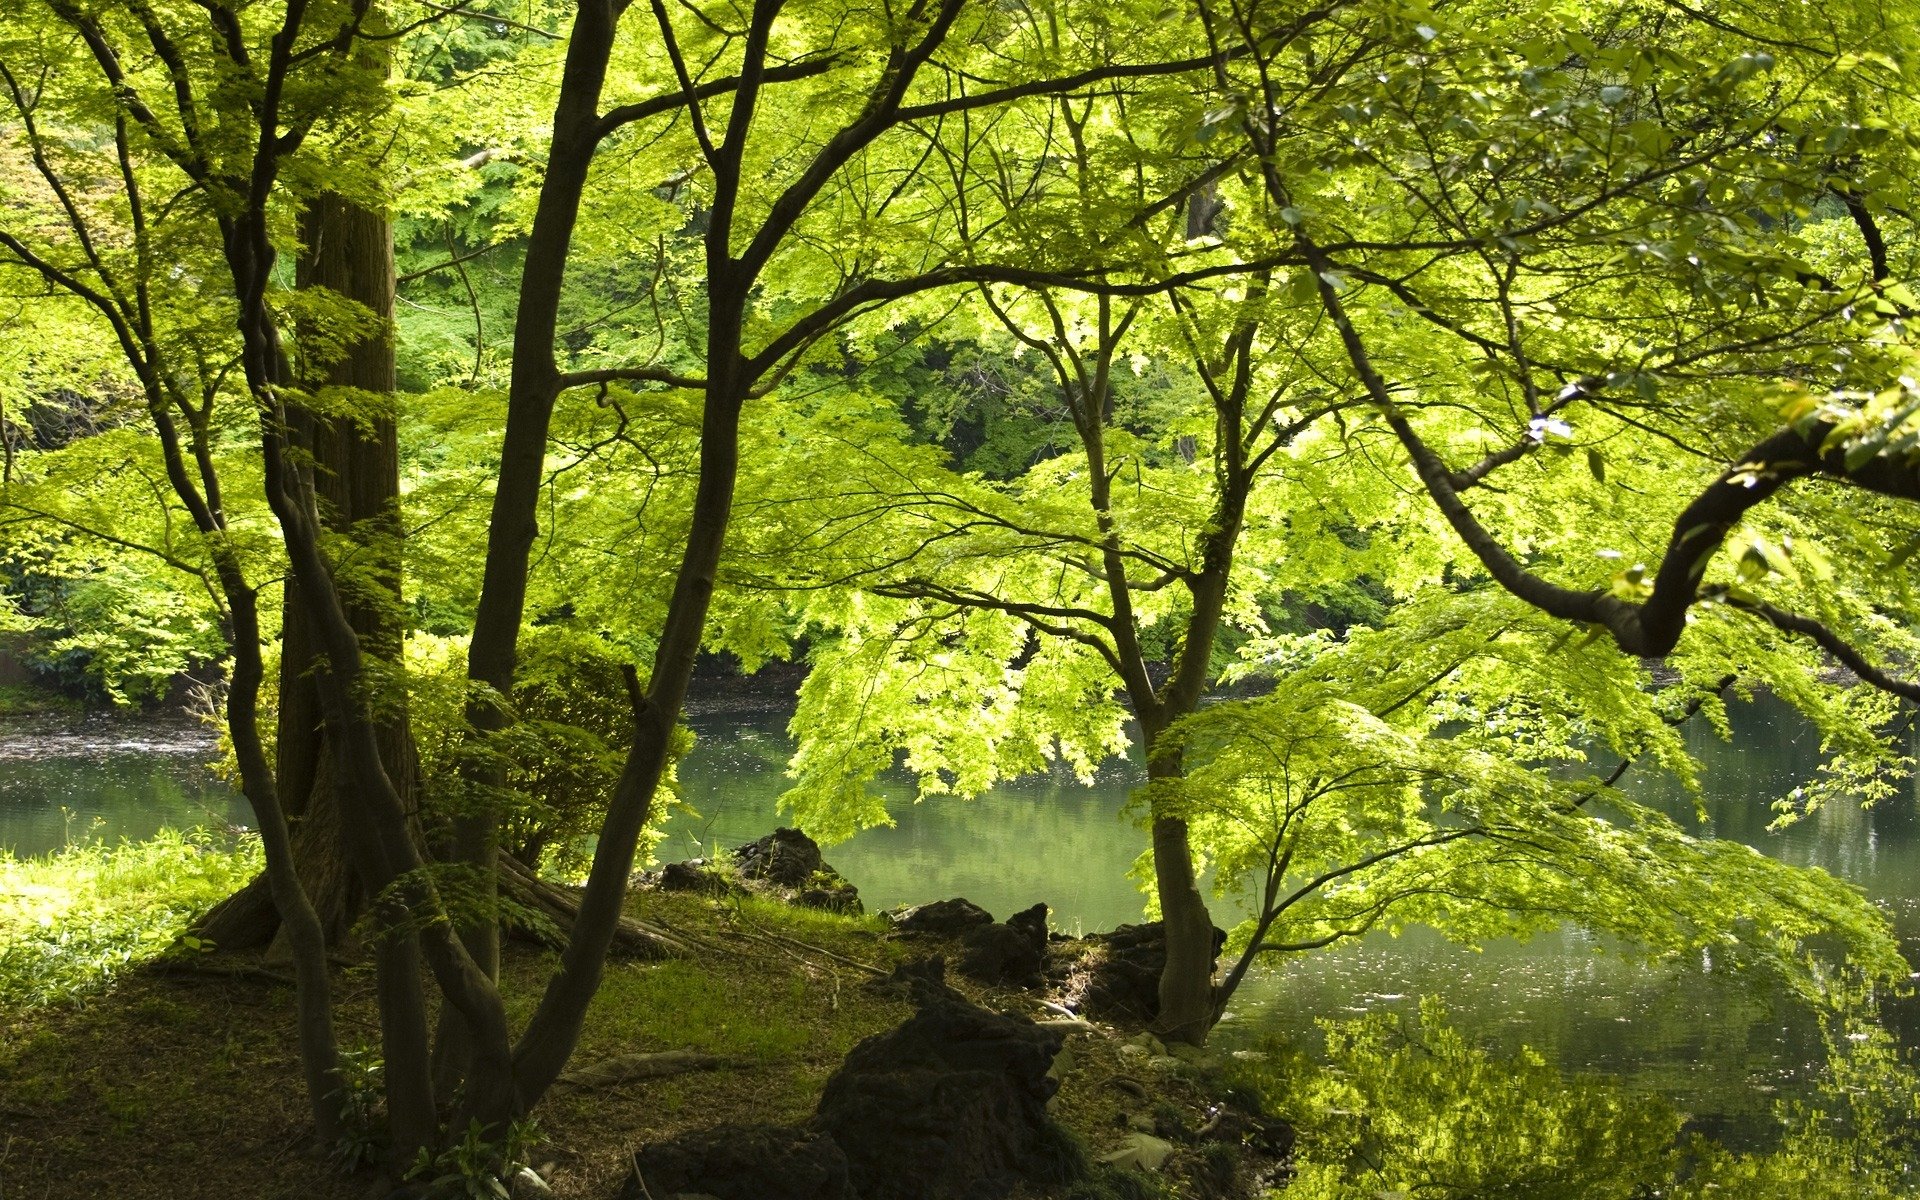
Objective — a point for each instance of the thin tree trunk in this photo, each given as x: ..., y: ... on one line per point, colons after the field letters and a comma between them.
x: 551, y: 1035
x: 493, y: 650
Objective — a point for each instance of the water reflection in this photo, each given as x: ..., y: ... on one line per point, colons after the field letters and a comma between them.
x: 1721, y: 1048
x: 107, y: 779
x: 1034, y: 839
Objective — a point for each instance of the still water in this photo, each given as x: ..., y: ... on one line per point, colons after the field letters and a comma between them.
x: 64, y: 782
x: 1722, y: 1050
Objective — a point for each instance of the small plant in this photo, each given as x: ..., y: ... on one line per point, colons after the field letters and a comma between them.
x: 360, y: 1142
x: 477, y: 1166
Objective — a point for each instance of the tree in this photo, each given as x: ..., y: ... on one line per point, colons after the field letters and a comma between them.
x: 1536, y: 217
x: 1758, y: 172
x: 237, y: 147
x: 803, y: 174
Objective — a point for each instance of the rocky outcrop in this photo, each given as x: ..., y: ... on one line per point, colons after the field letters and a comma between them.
x: 942, y: 918
x: 1010, y: 954
x: 693, y: 875
x: 951, y: 1105
x: 786, y: 865
x: 785, y: 858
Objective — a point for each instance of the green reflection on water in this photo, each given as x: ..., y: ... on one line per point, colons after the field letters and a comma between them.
x: 1036, y: 839
x: 48, y: 802
x: 1721, y: 1048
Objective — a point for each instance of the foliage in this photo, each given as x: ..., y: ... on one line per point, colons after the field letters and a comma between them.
x: 73, y: 921
x: 1343, y: 801
x: 476, y: 1165
x: 1411, y: 1106
x: 117, y: 599
x: 1068, y: 360
x: 562, y: 756
x: 361, y: 1142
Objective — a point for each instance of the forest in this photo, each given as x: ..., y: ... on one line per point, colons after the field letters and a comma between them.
x: 1385, y: 522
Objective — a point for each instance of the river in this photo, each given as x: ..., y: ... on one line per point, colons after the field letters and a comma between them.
x: 1720, y: 1048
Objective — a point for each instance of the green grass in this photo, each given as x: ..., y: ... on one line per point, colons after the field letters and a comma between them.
x: 72, y: 921
x: 688, y: 1004
x: 758, y: 1004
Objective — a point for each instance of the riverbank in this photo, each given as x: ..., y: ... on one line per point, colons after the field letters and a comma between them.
x: 1686, y: 1039
x: 180, y: 1079
x: 176, y: 1077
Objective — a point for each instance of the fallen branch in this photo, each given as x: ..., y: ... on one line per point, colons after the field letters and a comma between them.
x: 179, y: 964
x: 1068, y: 1025
x: 755, y: 931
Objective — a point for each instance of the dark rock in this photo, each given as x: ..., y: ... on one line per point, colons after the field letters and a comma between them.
x: 785, y: 858
x: 694, y: 875
x: 786, y: 864
x: 942, y: 918
x: 1115, y: 976
x: 1013, y: 953
x: 742, y: 1162
x: 1032, y: 922
x: 949, y: 1106
x: 832, y: 893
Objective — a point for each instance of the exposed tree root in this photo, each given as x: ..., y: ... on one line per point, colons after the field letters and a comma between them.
x: 629, y: 1068
x: 246, y: 920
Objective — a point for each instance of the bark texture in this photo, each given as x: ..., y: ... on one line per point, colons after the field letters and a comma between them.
x: 353, y: 443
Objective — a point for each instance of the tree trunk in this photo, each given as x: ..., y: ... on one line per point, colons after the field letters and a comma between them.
x: 1187, y: 1010
x: 355, y: 473
x: 1188, y: 1006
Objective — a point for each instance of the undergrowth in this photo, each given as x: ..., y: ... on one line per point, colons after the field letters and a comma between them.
x: 73, y: 920
x: 24, y: 699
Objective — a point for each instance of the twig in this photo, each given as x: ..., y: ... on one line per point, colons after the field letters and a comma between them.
x: 634, y: 1157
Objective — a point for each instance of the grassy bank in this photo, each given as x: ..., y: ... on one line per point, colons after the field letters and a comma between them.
x: 74, y: 921
x: 185, y: 1083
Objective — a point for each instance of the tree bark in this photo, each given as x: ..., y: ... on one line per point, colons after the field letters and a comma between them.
x: 347, y: 249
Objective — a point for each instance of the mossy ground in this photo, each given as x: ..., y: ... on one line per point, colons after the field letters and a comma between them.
x: 171, y: 1085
